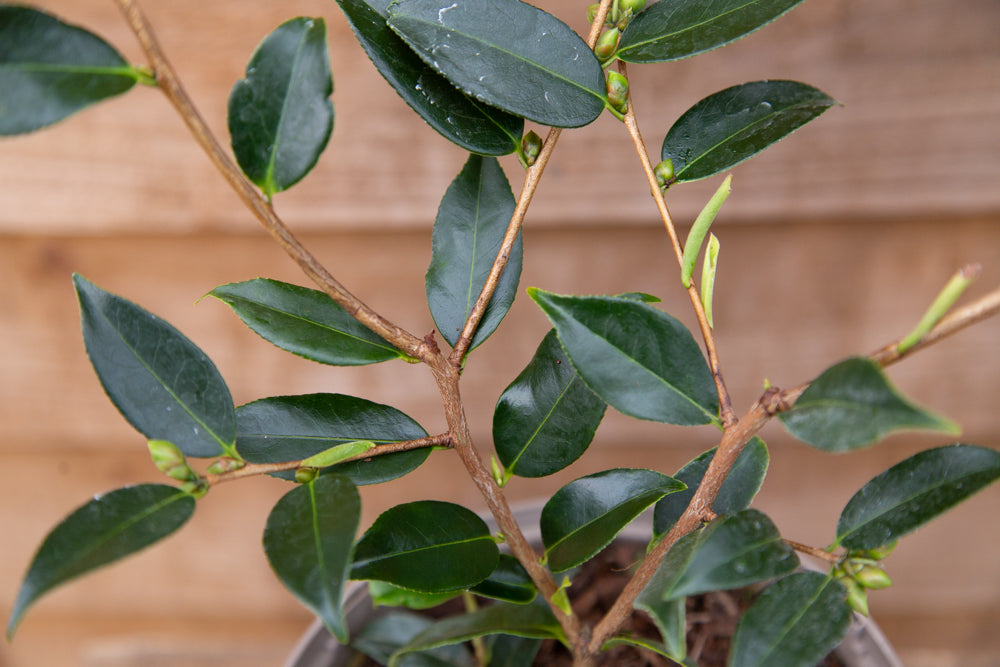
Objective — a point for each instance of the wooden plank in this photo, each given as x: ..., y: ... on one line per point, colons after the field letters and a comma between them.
x: 917, y: 137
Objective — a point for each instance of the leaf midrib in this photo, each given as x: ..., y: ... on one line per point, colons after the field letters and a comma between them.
x: 690, y: 27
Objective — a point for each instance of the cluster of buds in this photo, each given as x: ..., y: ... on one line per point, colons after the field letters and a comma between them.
x: 170, y: 460
x: 861, y: 571
x: 621, y: 13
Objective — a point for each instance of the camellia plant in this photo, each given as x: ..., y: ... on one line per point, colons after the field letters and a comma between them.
x: 475, y: 70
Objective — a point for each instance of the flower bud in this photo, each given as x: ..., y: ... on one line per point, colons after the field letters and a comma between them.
x: 873, y: 577
x: 635, y: 6
x: 166, y: 455
x: 223, y: 465
x: 882, y: 552
x: 306, y: 475
x: 856, y: 596
x: 531, y: 146
x: 197, y: 487
x: 618, y: 91
x: 664, y: 173
x: 606, y: 44
x: 182, y: 473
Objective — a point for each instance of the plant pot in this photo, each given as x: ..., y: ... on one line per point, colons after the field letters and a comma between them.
x: 863, y: 646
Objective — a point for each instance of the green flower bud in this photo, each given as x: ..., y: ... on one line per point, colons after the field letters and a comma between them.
x: 618, y: 91
x: 856, y: 596
x: 181, y: 473
x: 531, y: 146
x: 606, y: 44
x: 664, y: 173
x: 197, y: 487
x: 224, y: 465
x: 882, y: 552
x: 166, y: 455
x: 873, y: 578
x: 306, y: 475
x: 634, y: 6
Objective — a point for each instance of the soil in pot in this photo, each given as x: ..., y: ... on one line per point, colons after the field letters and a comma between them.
x: 711, y: 618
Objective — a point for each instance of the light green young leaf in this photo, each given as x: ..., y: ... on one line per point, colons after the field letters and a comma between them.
x: 468, y: 123
x: 428, y: 546
x: 385, y: 594
x: 104, y: 530
x: 735, y: 124
x: 852, y: 405
x: 638, y: 359
x: 160, y: 381
x: 50, y: 70
x: 308, y: 541
x: 584, y: 516
x: 280, y: 114
x: 914, y: 491
x: 507, y: 54
x: 681, y: 28
x: 546, y: 418
x: 468, y: 232
x: 794, y: 623
x: 305, y: 322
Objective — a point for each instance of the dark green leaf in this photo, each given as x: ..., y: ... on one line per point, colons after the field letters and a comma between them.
x: 474, y: 126
x: 532, y: 621
x: 50, y: 70
x: 280, y: 115
x: 547, y: 417
x: 390, y: 595
x: 794, y: 623
x: 852, y: 405
x: 160, y: 381
x: 385, y: 635
x: 511, y: 651
x: 108, y: 528
x: 509, y: 55
x: 737, y: 492
x: 429, y: 546
x: 468, y: 232
x: 305, y: 322
x: 292, y: 428
x: 913, y: 492
x: 308, y: 541
x: 731, y: 552
x: 509, y: 582
x: 682, y: 28
x: 584, y: 516
x: 637, y: 358
x: 670, y: 619
x: 735, y: 124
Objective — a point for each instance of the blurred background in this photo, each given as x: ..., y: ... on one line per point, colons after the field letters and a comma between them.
x: 833, y: 243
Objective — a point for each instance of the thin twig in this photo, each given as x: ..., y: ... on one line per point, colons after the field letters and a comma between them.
x: 531, y: 179
x: 170, y: 84
x: 254, y: 469
x: 815, y: 552
x: 726, y: 412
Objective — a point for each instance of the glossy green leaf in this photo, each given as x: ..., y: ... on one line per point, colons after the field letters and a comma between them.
x: 737, y: 492
x: 852, y: 405
x: 584, y: 516
x: 308, y: 541
x: 427, y: 545
x: 106, y: 529
x: 911, y: 493
x: 476, y: 127
x: 735, y: 124
x: 682, y: 28
x: 670, y: 619
x: 532, y: 621
x: 50, y: 70
x: 305, y: 322
x: 648, y: 645
x: 384, y: 594
x: 733, y: 551
x: 280, y: 114
x: 795, y: 622
x: 291, y: 428
x: 508, y: 54
x: 546, y: 418
x: 160, y: 381
x: 511, y: 651
x: 385, y: 635
x: 469, y: 229
x: 638, y: 359
x: 509, y: 582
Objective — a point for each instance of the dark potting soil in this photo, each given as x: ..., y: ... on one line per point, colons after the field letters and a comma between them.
x: 711, y: 618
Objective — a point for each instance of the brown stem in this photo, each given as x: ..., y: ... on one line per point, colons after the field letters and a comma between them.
x: 532, y: 176
x: 725, y: 402
x: 813, y: 551
x: 170, y: 84
x: 253, y: 469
